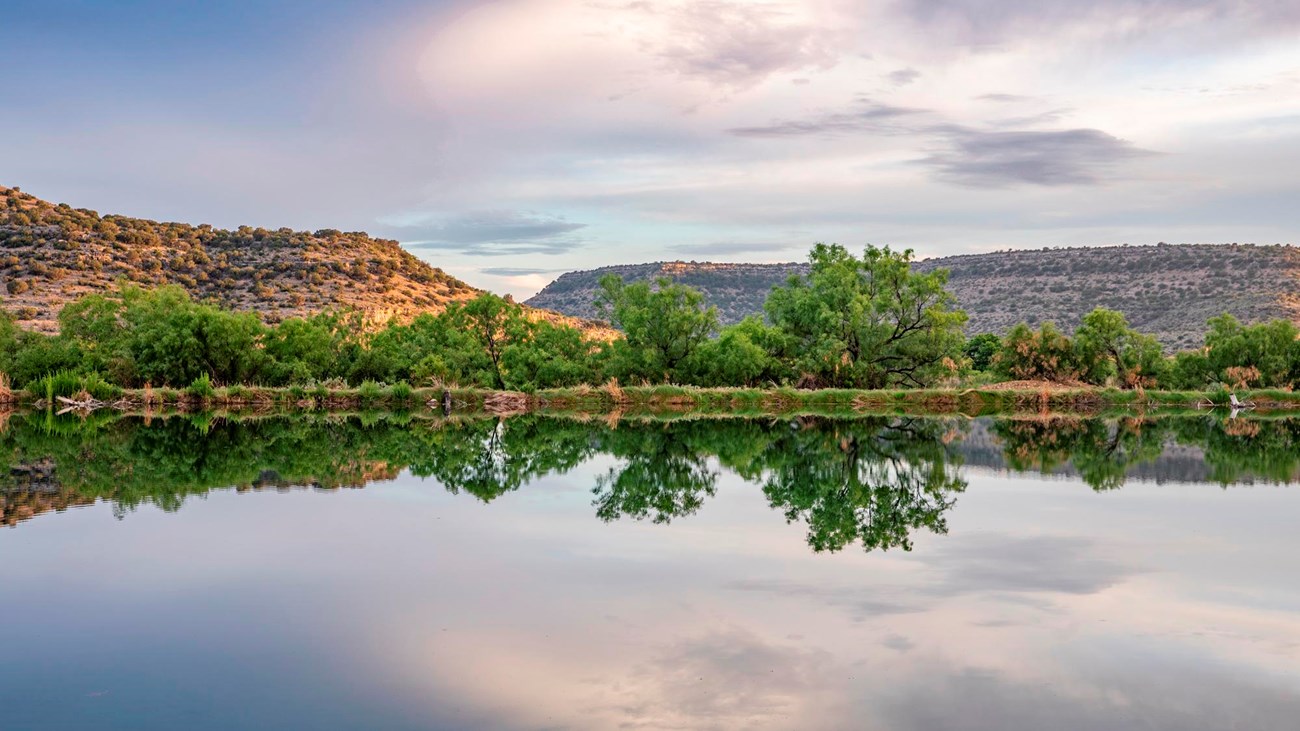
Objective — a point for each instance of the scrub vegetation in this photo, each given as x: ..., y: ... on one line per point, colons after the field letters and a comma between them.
x: 867, y: 331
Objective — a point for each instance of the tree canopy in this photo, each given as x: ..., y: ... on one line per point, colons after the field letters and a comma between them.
x: 869, y: 322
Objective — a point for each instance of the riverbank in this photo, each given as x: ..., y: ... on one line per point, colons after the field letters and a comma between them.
x: 614, y: 399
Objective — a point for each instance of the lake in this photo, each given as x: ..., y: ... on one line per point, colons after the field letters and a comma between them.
x: 885, y: 573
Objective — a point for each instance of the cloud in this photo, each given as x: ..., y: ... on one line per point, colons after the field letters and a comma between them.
x: 971, y: 156
x: 740, y: 44
x: 489, y: 233
x: 1004, y: 98
x: 985, y: 23
x: 728, y: 678
x: 861, y: 603
x: 899, y: 643
x: 728, y: 248
x: 1130, y: 691
x: 903, y: 77
x: 1048, y: 157
x: 998, y: 563
x: 1016, y: 569
x: 516, y: 271
x: 1049, y: 116
x: 865, y: 116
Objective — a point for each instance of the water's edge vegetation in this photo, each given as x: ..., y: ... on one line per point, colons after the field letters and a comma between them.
x: 869, y: 330
x: 667, y: 400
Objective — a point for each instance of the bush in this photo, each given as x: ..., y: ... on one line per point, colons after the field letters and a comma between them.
x: 99, y: 389
x: 201, y: 387
x: 369, y: 392
x: 401, y: 392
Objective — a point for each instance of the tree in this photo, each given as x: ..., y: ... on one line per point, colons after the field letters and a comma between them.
x: 1045, y: 354
x: 1107, y: 348
x: 1271, y: 348
x: 544, y: 355
x: 980, y: 350
x: 664, y: 325
x: 490, y: 320
x: 741, y: 355
x: 316, y: 348
x: 868, y: 323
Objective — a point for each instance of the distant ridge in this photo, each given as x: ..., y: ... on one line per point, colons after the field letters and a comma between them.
x: 1167, y: 290
x: 51, y: 254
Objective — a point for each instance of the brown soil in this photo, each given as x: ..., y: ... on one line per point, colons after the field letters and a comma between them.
x: 1036, y: 385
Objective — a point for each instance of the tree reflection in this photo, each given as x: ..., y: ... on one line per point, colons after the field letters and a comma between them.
x: 666, y: 475
x: 873, y: 480
x: 489, y: 457
x: 1101, y: 451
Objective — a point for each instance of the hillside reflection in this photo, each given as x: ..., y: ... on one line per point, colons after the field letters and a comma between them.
x: 873, y: 481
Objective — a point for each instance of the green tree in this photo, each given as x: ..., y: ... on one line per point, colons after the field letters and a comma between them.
x: 867, y: 323
x: 491, y: 321
x: 315, y: 348
x: 665, y: 475
x: 980, y: 349
x: 741, y: 355
x: 664, y: 325
x: 1269, y: 348
x: 544, y: 355
x: 1107, y: 349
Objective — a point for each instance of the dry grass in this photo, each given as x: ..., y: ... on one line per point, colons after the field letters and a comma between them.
x: 1038, y: 386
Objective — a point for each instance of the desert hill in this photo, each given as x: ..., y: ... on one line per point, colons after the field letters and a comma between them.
x: 1167, y: 290
x: 51, y: 254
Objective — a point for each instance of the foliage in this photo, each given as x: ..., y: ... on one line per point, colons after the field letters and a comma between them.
x: 664, y: 324
x: 1046, y: 354
x: 1108, y: 350
x: 981, y: 349
x: 873, y: 481
x: 744, y: 354
x: 1270, y: 348
x: 1168, y: 291
x: 871, y: 322
x: 201, y: 387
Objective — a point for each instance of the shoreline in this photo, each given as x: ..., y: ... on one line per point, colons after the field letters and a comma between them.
x: 612, y: 399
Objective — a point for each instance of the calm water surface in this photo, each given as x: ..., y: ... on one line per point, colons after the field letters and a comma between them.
x: 891, y: 574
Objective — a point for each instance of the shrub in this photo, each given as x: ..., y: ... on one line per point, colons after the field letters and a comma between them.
x: 201, y: 387
x: 401, y: 392
x: 369, y: 392
x: 99, y: 389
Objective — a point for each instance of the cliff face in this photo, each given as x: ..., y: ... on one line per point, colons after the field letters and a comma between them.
x: 51, y: 254
x: 1169, y: 291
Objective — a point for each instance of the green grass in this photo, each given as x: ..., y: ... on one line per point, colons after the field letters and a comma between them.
x: 671, y: 399
x: 68, y: 384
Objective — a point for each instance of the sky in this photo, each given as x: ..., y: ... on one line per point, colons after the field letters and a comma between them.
x: 508, y: 141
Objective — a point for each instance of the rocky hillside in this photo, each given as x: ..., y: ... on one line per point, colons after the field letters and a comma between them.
x: 737, y: 290
x: 51, y: 254
x: 1166, y: 290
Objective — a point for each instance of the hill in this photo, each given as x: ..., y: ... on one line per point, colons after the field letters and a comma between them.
x: 51, y: 254
x: 1167, y: 290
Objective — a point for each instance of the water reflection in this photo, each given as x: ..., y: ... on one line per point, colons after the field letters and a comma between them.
x: 874, y: 480
x: 553, y: 573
